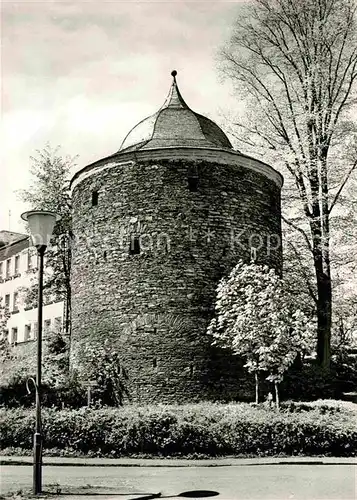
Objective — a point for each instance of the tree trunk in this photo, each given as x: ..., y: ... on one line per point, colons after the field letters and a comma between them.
x: 67, y: 259
x: 68, y: 314
x: 277, y: 402
x: 256, y: 388
x: 319, y: 225
x: 324, y: 313
x: 324, y: 287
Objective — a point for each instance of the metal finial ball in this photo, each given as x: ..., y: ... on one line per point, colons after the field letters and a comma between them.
x: 174, y: 73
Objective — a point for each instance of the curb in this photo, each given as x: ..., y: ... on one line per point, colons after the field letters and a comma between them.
x: 167, y: 462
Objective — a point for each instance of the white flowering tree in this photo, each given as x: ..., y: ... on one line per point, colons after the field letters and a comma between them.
x: 256, y: 318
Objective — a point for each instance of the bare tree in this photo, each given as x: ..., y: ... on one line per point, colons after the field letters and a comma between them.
x: 295, y: 63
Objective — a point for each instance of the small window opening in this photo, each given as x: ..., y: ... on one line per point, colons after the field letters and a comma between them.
x: 8, y: 268
x: 94, y: 198
x: 154, y: 363
x: 253, y: 254
x: 16, y: 305
x: 27, y: 332
x: 14, y: 335
x: 17, y: 264
x: 191, y: 369
x: 105, y: 254
x: 134, y: 245
x: 29, y: 260
x: 193, y: 184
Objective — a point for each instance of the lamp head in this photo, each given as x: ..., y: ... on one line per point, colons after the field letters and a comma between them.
x: 41, y: 224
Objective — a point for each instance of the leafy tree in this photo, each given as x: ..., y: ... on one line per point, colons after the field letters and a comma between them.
x: 17, y: 367
x: 100, y: 363
x: 50, y: 191
x: 345, y: 328
x: 56, y: 359
x: 257, y: 319
x: 295, y: 65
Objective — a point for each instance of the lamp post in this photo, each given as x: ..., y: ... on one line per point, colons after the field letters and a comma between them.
x: 41, y: 224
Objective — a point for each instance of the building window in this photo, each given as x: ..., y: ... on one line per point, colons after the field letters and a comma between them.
x: 13, y: 335
x: 8, y: 268
x: 253, y: 254
x: 16, y: 299
x: 27, y: 332
x: 105, y: 255
x: 17, y: 264
x: 94, y: 198
x: 35, y: 329
x: 6, y: 335
x: 193, y: 184
x: 154, y: 363
x: 47, y: 324
x: 29, y: 260
x: 134, y: 245
x: 7, y: 301
x: 58, y: 324
x: 1, y: 269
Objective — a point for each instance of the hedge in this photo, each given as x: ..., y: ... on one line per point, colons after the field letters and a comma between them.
x: 205, y: 429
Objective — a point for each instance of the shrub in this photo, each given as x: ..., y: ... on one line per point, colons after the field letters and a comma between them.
x: 14, y: 394
x: 310, y: 382
x: 327, y: 428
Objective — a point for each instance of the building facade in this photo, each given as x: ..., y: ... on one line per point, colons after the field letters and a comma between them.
x: 157, y: 225
x: 18, y: 272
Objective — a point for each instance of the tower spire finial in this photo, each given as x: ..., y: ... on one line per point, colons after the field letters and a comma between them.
x: 174, y: 73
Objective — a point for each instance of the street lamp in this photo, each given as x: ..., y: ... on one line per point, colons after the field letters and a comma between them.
x: 41, y: 224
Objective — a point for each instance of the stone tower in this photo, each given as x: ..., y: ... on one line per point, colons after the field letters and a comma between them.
x: 156, y: 226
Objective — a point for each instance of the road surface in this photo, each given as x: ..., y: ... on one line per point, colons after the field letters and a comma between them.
x: 246, y: 482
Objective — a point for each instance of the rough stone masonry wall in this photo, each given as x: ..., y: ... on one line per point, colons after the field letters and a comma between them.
x: 155, y: 306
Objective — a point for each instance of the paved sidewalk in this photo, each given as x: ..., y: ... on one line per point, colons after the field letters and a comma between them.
x: 178, y: 462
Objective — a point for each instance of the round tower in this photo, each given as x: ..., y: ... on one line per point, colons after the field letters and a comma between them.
x: 156, y: 226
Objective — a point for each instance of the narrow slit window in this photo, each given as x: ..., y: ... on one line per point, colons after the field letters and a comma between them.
x: 253, y: 254
x: 193, y: 184
x: 105, y: 255
x: 154, y: 363
x: 134, y: 245
x: 94, y: 198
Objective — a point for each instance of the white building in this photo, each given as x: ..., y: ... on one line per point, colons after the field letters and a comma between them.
x: 18, y: 270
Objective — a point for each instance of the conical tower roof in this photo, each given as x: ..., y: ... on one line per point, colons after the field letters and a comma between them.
x: 175, y: 125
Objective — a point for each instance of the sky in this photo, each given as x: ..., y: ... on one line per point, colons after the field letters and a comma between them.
x: 81, y: 74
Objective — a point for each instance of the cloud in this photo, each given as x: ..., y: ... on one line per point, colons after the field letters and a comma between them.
x: 82, y: 74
